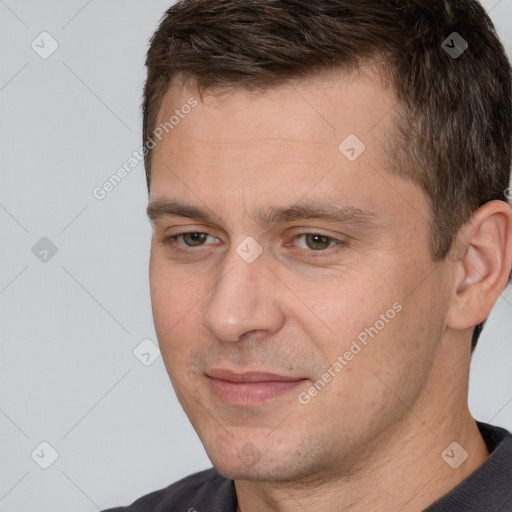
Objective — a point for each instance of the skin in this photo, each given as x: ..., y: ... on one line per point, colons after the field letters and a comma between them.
x: 372, y: 438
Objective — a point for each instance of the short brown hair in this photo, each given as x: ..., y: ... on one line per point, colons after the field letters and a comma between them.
x: 453, y: 122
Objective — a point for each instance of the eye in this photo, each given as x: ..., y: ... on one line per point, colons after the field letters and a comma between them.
x: 192, y: 238
x: 316, y: 241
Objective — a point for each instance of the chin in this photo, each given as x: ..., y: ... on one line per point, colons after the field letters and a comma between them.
x: 256, y: 474
x: 271, y: 465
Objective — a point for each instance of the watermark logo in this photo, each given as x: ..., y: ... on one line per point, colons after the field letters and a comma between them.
x: 454, y: 455
x: 146, y: 352
x: 249, y: 455
x: 44, y: 250
x: 454, y: 45
x: 44, y: 455
x: 352, y: 147
x: 249, y: 250
x: 44, y: 45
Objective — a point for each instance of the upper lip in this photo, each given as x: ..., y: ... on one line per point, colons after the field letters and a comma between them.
x: 232, y: 376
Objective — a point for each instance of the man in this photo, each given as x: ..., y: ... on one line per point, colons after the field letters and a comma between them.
x: 328, y: 191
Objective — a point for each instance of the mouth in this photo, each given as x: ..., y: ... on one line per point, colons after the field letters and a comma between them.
x: 250, y: 388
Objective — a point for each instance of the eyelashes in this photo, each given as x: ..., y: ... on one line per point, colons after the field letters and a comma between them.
x: 313, y: 244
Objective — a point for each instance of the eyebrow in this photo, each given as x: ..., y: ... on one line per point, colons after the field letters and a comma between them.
x: 271, y: 215
x: 169, y: 208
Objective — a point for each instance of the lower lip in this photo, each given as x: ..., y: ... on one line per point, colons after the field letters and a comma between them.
x: 251, y: 393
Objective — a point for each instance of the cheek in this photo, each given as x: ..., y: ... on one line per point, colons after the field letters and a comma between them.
x: 176, y: 301
x: 398, y: 361
x: 174, y: 291
x: 369, y: 317
x: 334, y: 310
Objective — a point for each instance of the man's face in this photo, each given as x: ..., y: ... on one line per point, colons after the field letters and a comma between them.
x: 308, y: 254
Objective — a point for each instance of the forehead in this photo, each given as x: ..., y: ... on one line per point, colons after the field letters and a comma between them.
x: 328, y: 119
x: 238, y: 149
x: 322, y: 108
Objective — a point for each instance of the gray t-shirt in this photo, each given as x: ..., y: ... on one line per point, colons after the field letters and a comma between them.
x: 488, y: 489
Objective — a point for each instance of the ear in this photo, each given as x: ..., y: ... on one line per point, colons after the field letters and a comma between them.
x: 483, y: 259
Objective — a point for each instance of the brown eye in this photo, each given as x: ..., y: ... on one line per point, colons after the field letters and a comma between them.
x: 194, y: 239
x: 317, y: 242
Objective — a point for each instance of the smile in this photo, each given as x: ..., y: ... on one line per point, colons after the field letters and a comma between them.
x: 250, y: 388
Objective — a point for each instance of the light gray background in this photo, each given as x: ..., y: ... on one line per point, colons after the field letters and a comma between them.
x: 69, y: 326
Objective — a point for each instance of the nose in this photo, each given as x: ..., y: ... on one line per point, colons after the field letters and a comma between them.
x: 243, y: 301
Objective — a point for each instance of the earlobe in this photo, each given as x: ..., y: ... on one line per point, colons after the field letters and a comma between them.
x: 483, y: 267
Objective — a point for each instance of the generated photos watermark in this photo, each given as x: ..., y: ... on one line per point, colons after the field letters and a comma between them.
x: 101, y: 192
x: 357, y: 345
